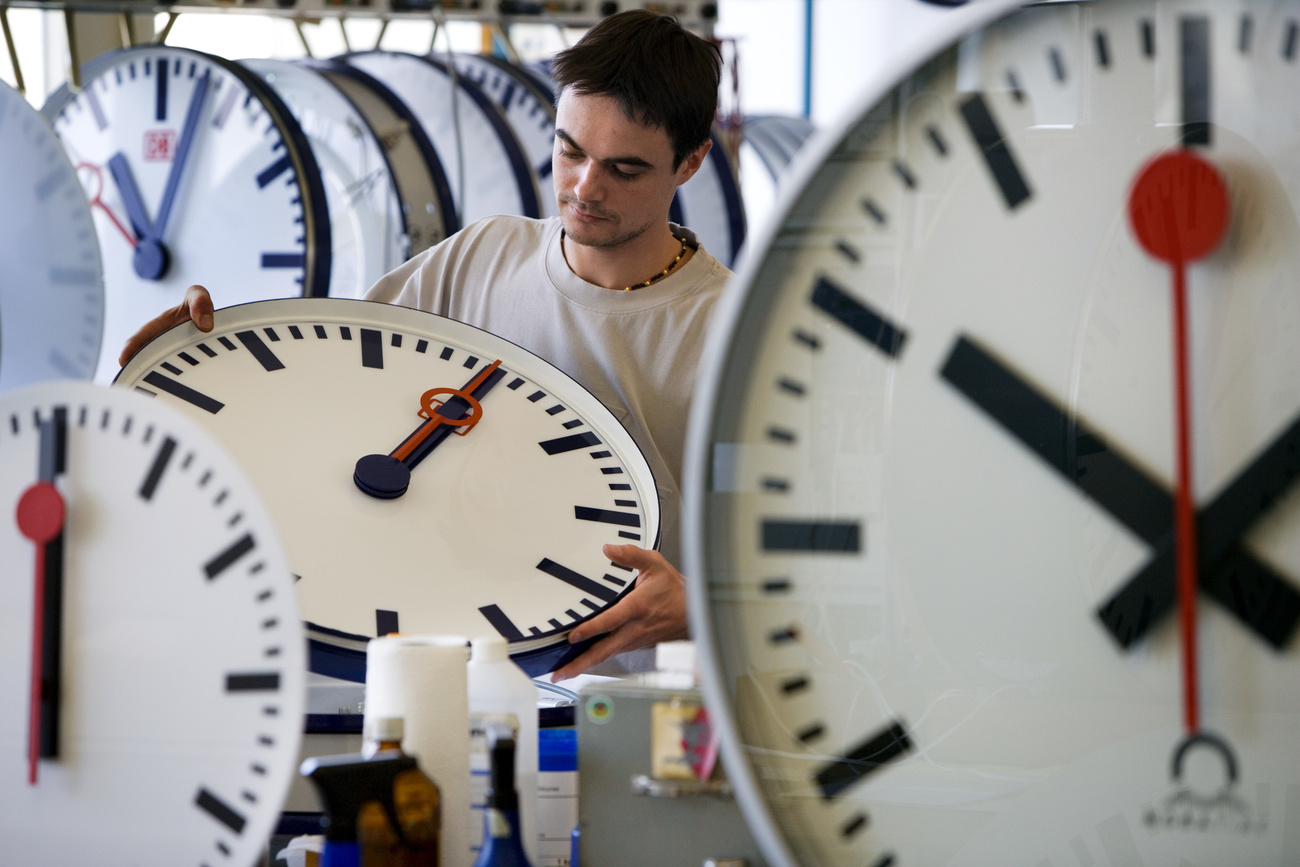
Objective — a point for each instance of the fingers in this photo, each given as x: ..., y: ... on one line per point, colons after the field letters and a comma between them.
x: 196, y: 306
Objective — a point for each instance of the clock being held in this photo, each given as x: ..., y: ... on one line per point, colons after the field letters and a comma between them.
x: 428, y: 477
x: 153, y: 655
x: 933, y: 495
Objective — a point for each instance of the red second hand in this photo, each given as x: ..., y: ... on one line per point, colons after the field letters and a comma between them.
x: 40, y: 515
x: 1178, y: 209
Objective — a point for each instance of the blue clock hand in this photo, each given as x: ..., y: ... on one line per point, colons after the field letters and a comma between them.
x: 121, y: 171
x: 182, y: 154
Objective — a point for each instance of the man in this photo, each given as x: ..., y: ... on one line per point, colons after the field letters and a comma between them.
x: 610, y: 292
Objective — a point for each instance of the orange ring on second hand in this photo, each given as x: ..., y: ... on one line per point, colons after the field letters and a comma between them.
x: 426, y: 405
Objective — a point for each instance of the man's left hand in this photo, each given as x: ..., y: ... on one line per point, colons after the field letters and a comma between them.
x: 652, y: 611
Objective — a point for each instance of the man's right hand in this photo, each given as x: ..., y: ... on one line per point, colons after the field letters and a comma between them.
x: 196, y: 306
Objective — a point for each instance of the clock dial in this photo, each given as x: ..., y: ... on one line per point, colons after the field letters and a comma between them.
x: 500, y: 528
x: 529, y: 109
x: 487, y: 167
x: 933, y: 494
x: 170, y: 686
x: 201, y: 176
x: 427, y: 205
x: 367, y: 228
x: 52, y: 289
x: 709, y: 203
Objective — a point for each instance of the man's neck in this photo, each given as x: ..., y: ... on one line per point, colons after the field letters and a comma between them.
x: 627, y: 265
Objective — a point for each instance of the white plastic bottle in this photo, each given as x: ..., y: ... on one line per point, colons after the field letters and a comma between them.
x: 499, y: 691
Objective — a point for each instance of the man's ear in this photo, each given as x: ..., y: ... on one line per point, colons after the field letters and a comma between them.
x: 693, y: 161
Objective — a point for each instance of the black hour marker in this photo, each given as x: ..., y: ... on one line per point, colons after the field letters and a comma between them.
x: 228, y: 557
x: 160, y: 94
x: 776, y: 585
x: 184, y: 392
x: 1289, y: 43
x: 225, y: 341
x: 515, y: 383
x: 295, y: 332
x: 619, y: 487
x: 536, y: 396
x: 993, y: 147
x: 217, y: 808
x: 612, y: 471
x: 607, y: 516
x: 776, y: 485
x: 283, y: 260
x: 863, y: 761
x: 187, y: 358
x: 320, y: 332
x: 936, y: 139
x: 631, y: 504
x: 1148, y: 38
x: 905, y: 175
x: 1194, y: 38
x: 833, y: 536
x: 259, y: 350
x: 396, y: 341
x: 592, y: 605
x: 783, y: 635
x: 446, y: 353
x: 1103, y: 49
x: 273, y: 171
x: 873, y: 209
x: 266, y: 681
x: 858, y: 317
x: 501, y: 623
x: 849, y: 251
x: 345, y: 332
x: 422, y: 346
x: 781, y: 435
x: 570, y: 443
x: 1245, y: 34
x: 623, y: 534
x: 171, y: 368
x: 1058, y: 63
x: 596, y: 456
x: 614, y: 580
x: 471, y: 362
x: 164, y: 456
x: 385, y: 622
x: 555, y: 410
x: 572, y: 423
x: 573, y: 579
x: 271, y: 335
x: 372, y: 348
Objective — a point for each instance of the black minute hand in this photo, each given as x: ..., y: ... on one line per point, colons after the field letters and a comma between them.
x: 1133, y: 498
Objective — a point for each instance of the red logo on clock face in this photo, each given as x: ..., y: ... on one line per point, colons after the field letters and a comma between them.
x: 159, y: 145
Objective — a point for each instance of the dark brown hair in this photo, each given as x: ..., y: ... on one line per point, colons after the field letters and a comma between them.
x: 661, y: 74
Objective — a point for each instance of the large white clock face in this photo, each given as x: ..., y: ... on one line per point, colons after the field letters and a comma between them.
x: 173, y: 681
x: 201, y: 176
x: 51, y: 283
x: 932, y: 494
x: 367, y: 228
x: 499, y: 529
x: 487, y: 167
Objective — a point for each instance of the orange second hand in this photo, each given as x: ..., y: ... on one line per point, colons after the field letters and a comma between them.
x: 414, y: 440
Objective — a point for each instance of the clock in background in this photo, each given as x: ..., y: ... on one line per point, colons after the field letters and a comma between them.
x: 202, y: 175
x: 52, y: 283
x: 933, y: 472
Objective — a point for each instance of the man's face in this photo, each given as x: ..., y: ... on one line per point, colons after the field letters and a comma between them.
x: 614, y: 177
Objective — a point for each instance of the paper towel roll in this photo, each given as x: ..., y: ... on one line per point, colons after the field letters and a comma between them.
x: 421, y: 678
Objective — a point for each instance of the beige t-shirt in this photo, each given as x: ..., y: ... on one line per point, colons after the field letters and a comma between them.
x: 638, y: 352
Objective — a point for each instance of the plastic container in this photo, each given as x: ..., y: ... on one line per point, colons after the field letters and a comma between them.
x: 499, y: 691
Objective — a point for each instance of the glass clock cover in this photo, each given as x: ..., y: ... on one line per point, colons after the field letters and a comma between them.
x: 933, y: 477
